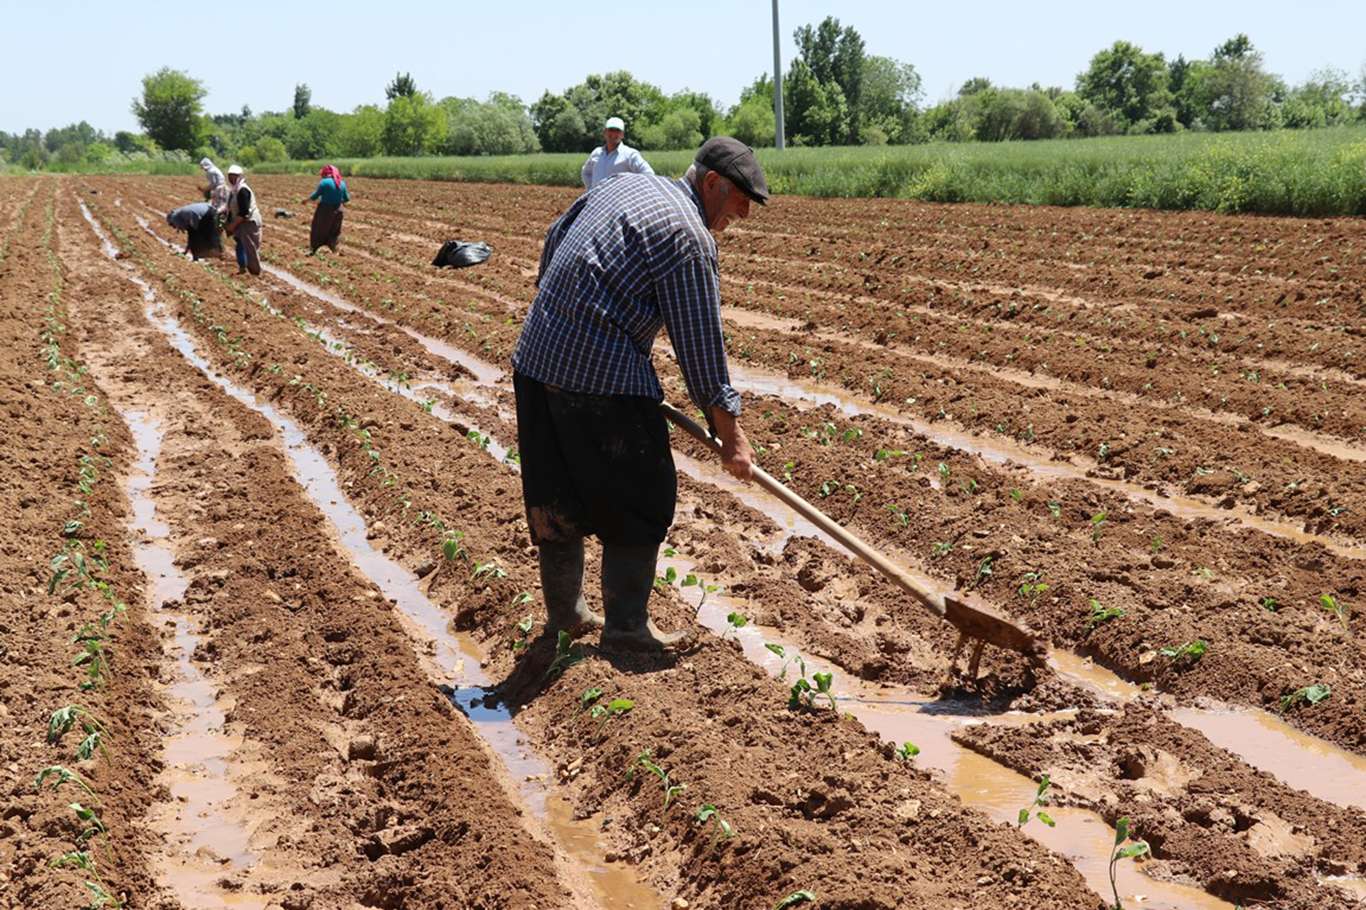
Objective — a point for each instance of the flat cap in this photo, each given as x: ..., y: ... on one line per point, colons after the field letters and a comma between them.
x: 735, y: 161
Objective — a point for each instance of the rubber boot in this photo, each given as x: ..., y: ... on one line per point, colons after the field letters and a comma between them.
x: 562, y: 588
x: 628, y: 576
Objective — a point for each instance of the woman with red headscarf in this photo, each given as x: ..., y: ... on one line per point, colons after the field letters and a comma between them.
x: 327, y: 217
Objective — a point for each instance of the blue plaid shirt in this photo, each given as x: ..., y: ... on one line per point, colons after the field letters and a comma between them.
x: 629, y: 257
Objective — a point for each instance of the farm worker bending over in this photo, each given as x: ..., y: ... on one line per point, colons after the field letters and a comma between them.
x: 625, y: 260
x: 200, y: 223
x: 244, y: 222
x: 218, y: 187
x: 327, y: 217
x: 613, y: 157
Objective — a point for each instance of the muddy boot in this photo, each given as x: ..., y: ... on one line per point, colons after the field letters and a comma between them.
x: 628, y: 576
x: 562, y: 588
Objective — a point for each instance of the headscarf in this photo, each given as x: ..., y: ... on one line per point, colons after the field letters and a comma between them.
x: 330, y: 170
x: 214, y: 174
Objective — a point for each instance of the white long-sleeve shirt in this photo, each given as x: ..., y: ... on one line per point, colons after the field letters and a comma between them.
x: 602, y: 164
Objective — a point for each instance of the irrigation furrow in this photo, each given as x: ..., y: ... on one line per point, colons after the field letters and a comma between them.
x: 450, y: 660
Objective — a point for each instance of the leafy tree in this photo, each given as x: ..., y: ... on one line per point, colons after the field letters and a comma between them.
x: 815, y: 113
x: 303, y: 100
x: 413, y: 125
x: 681, y: 128
x: 567, y: 131
x: 752, y: 121
x: 1127, y: 83
x: 361, y: 132
x: 708, y: 116
x: 169, y: 108
x: 129, y: 143
x: 403, y: 86
x: 888, y: 98
x: 1234, y: 92
x: 315, y: 135
x: 498, y: 126
x: 1323, y: 100
x: 543, y: 114
x: 268, y: 148
x: 834, y: 56
x: 974, y: 86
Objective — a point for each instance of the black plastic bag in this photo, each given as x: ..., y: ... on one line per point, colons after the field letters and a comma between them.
x: 456, y: 254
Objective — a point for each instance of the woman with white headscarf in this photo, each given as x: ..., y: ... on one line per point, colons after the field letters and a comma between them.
x: 217, y: 194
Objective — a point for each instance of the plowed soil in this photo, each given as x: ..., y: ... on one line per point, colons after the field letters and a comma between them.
x: 1132, y: 432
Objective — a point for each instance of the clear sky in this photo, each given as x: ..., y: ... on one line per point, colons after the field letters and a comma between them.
x: 65, y: 61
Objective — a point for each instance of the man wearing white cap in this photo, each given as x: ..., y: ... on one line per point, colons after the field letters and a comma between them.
x: 613, y: 157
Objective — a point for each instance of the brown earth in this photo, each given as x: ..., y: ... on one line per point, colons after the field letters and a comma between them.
x: 1064, y: 311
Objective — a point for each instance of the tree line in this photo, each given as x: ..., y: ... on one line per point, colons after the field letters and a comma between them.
x: 834, y: 93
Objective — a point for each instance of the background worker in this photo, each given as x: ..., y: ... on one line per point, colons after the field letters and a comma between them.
x: 612, y: 157
x: 327, y: 217
x: 200, y: 223
x: 217, y: 191
x: 244, y: 222
x: 627, y: 259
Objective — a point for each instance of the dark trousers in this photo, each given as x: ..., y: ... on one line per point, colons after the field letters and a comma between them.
x: 594, y: 464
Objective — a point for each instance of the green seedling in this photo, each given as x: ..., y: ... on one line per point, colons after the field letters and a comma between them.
x: 523, y: 639
x: 1189, y: 653
x: 795, y: 898
x: 691, y: 580
x: 1340, y: 610
x: 99, y: 897
x: 491, y: 569
x: 94, y: 825
x: 787, y: 661
x: 1311, y: 695
x: 64, y: 719
x: 900, y: 515
x: 1269, y: 604
x: 722, y: 829
x: 671, y: 790
x: 1157, y: 543
x: 734, y: 623
x: 1055, y: 509
x: 1121, y: 851
x: 941, y: 548
x: 887, y: 454
x: 803, y: 694
x: 615, y: 708
x: 566, y: 655
x: 520, y: 599
x: 452, y: 547
x: 907, y: 751
x: 1100, y: 614
x: 1097, y: 525
x: 983, y: 571
x: 61, y: 775
x: 1015, y: 494
x: 668, y: 578
x: 590, y: 695
x: 1035, y: 809
x: 943, y: 471
x: 1032, y: 585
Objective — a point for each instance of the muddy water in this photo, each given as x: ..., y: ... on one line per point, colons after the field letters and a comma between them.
x: 1261, y: 739
x: 452, y: 659
x: 900, y: 715
x: 1270, y: 744
x: 1001, y: 451
x: 207, y: 839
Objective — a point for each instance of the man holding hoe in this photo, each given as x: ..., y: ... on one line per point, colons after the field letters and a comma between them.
x: 624, y: 261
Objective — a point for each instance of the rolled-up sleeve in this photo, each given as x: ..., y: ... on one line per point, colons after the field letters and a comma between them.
x: 586, y: 172
x: 690, y: 302
x: 641, y: 165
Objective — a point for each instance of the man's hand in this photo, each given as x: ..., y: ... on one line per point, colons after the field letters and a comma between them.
x: 736, y: 455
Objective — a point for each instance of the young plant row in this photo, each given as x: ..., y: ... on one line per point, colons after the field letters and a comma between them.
x: 80, y: 566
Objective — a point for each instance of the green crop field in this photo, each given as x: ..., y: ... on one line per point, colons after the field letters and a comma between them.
x: 1304, y: 172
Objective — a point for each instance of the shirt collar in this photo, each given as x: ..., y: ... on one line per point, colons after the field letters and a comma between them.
x: 695, y: 196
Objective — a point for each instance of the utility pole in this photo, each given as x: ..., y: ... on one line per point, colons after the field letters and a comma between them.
x: 777, y: 82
